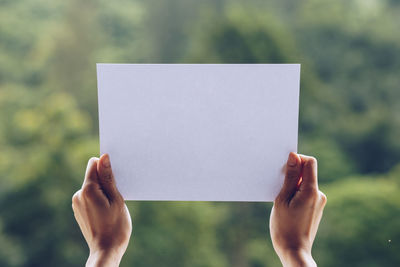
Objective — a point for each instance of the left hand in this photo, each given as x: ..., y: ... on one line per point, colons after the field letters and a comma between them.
x: 102, y: 215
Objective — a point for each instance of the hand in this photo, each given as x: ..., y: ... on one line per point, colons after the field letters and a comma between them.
x: 102, y: 214
x: 297, y: 212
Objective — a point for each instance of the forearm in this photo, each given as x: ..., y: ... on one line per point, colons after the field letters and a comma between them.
x: 297, y: 259
x: 104, y: 259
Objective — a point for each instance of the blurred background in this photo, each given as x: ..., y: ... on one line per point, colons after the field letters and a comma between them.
x: 349, y: 120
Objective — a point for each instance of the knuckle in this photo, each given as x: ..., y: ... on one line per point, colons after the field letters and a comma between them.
x: 292, y: 174
x: 75, y: 198
x: 88, y: 190
x: 107, y: 176
x: 312, y: 161
x: 323, y: 198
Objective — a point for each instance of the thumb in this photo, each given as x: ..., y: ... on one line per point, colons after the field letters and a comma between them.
x: 292, y: 177
x: 106, y: 179
x: 310, y: 173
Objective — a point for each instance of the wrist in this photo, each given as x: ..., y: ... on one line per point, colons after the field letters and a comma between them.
x: 297, y: 258
x: 104, y: 258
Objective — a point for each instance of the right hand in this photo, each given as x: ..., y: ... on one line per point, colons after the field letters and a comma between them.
x: 297, y: 212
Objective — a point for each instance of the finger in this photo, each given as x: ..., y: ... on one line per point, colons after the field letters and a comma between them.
x: 91, y: 189
x: 79, y: 212
x: 76, y: 200
x: 310, y: 173
x: 106, y: 178
x: 292, y: 177
x: 318, y: 214
x: 91, y: 172
x: 323, y: 198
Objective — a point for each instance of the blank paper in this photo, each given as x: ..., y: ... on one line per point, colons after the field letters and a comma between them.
x: 198, y: 132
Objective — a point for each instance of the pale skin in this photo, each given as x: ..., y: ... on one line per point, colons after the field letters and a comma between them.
x: 102, y: 215
x: 106, y: 224
x: 297, y: 212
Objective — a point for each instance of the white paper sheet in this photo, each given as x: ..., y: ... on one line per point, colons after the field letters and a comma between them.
x: 198, y: 132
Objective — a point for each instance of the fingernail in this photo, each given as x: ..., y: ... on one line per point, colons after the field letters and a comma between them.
x: 106, y: 161
x: 292, y: 161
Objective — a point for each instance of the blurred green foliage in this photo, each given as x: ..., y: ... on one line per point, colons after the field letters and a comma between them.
x: 349, y: 119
